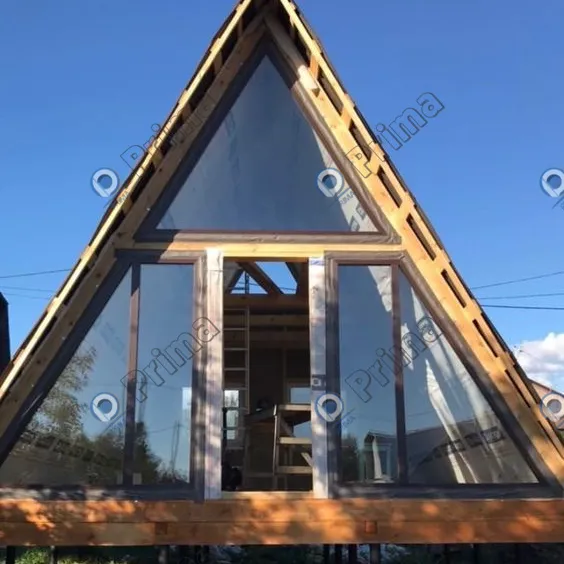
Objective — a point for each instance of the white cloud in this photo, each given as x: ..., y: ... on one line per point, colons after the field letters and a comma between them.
x: 544, y: 360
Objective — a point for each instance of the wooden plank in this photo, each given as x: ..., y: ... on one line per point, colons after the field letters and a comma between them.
x: 294, y: 269
x: 234, y: 279
x: 509, y: 530
x: 258, y: 320
x: 294, y: 441
x: 280, y: 520
x: 78, y: 534
x: 214, y: 376
x: 318, y: 369
x: 265, y: 532
x: 298, y: 507
x: 267, y: 251
x: 302, y: 286
x: 294, y: 470
x: 267, y: 302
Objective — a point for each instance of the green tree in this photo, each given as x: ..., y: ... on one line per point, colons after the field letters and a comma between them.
x: 61, y: 413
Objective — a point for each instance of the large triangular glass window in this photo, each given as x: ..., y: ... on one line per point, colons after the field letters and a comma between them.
x: 68, y: 442
x: 263, y: 171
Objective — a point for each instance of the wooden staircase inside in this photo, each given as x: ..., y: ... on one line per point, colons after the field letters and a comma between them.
x: 285, y: 445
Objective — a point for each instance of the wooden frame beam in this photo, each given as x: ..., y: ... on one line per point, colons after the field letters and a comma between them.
x: 286, y: 301
x: 279, y: 521
x: 299, y: 320
x: 302, y: 286
x: 233, y: 282
x: 262, y: 251
x: 294, y: 270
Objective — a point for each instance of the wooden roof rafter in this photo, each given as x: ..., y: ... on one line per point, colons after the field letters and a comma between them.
x: 294, y: 269
x: 262, y: 278
x: 400, y: 206
x: 234, y: 280
x: 142, y: 188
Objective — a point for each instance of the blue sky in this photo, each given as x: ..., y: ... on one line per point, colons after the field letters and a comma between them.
x: 83, y: 82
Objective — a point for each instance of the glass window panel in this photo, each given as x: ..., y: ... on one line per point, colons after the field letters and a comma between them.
x: 453, y: 435
x: 260, y: 171
x: 368, y: 421
x: 164, y: 376
x: 67, y: 442
x: 234, y: 404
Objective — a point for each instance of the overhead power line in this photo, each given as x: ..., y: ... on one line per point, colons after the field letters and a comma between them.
x: 522, y: 296
x: 37, y: 273
x: 24, y: 296
x: 547, y: 308
x: 515, y: 281
x: 2, y: 288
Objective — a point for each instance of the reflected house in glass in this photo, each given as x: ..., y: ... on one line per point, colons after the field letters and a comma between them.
x: 227, y: 299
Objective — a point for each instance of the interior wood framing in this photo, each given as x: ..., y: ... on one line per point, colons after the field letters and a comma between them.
x: 278, y: 521
x: 256, y: 520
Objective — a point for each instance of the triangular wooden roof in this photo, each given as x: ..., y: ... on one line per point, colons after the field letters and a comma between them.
x: 282, y: 21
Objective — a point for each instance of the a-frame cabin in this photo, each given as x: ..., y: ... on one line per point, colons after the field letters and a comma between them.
x: 372, y: 402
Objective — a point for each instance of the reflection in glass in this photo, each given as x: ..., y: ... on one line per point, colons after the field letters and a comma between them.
x: 368, y: 422
x: 164, y: 375
x: 234, y: 410
x: 453, y: 435
x: 65, y: 443
x: 260, y: 171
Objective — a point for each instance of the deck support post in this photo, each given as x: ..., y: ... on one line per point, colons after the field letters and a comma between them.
x: 183, y: 555
x: 518, y: 553
x: 53, y: 555
x: 201, y: 554
x: 338, y: 554
x: 352, y: 551
x: 446, y: 553
x: 374, y: 553
x: 476, y: 553
x: 10, y: 555
x: 164, y: 552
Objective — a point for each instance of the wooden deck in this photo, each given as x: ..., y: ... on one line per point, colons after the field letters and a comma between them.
x: 279, y: 520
